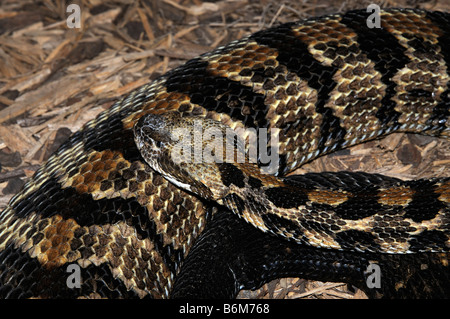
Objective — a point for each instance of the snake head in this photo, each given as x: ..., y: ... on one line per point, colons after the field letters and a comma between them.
x: 197, y: 154
x: 152, y: 131
x: 165, y: 143
x: 152, y: 136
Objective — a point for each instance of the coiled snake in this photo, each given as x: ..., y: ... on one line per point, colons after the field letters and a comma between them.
x: 325, y: 83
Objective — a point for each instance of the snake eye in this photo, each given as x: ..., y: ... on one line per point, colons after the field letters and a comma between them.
x: 158, y: 144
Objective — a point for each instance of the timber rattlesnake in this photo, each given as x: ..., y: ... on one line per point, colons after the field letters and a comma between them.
x: 326, y: 83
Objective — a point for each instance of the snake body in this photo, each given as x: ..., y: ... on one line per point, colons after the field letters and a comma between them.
x: 337, y: 217
x: 325, y: 83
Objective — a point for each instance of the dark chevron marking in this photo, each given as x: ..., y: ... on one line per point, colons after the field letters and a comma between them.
x: 231, y: 175
x: 357, y: 206
x: 294, y: 54
x: 254, y: 182
x: 110, y: 135
x: 388, y: 55
x: 50, y: 199
x: 37, y: 281
x: 203, y: 89
x: 425, y: 202
x: 287, y: 197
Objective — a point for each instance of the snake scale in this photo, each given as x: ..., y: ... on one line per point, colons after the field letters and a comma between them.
x: 325, y: 83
